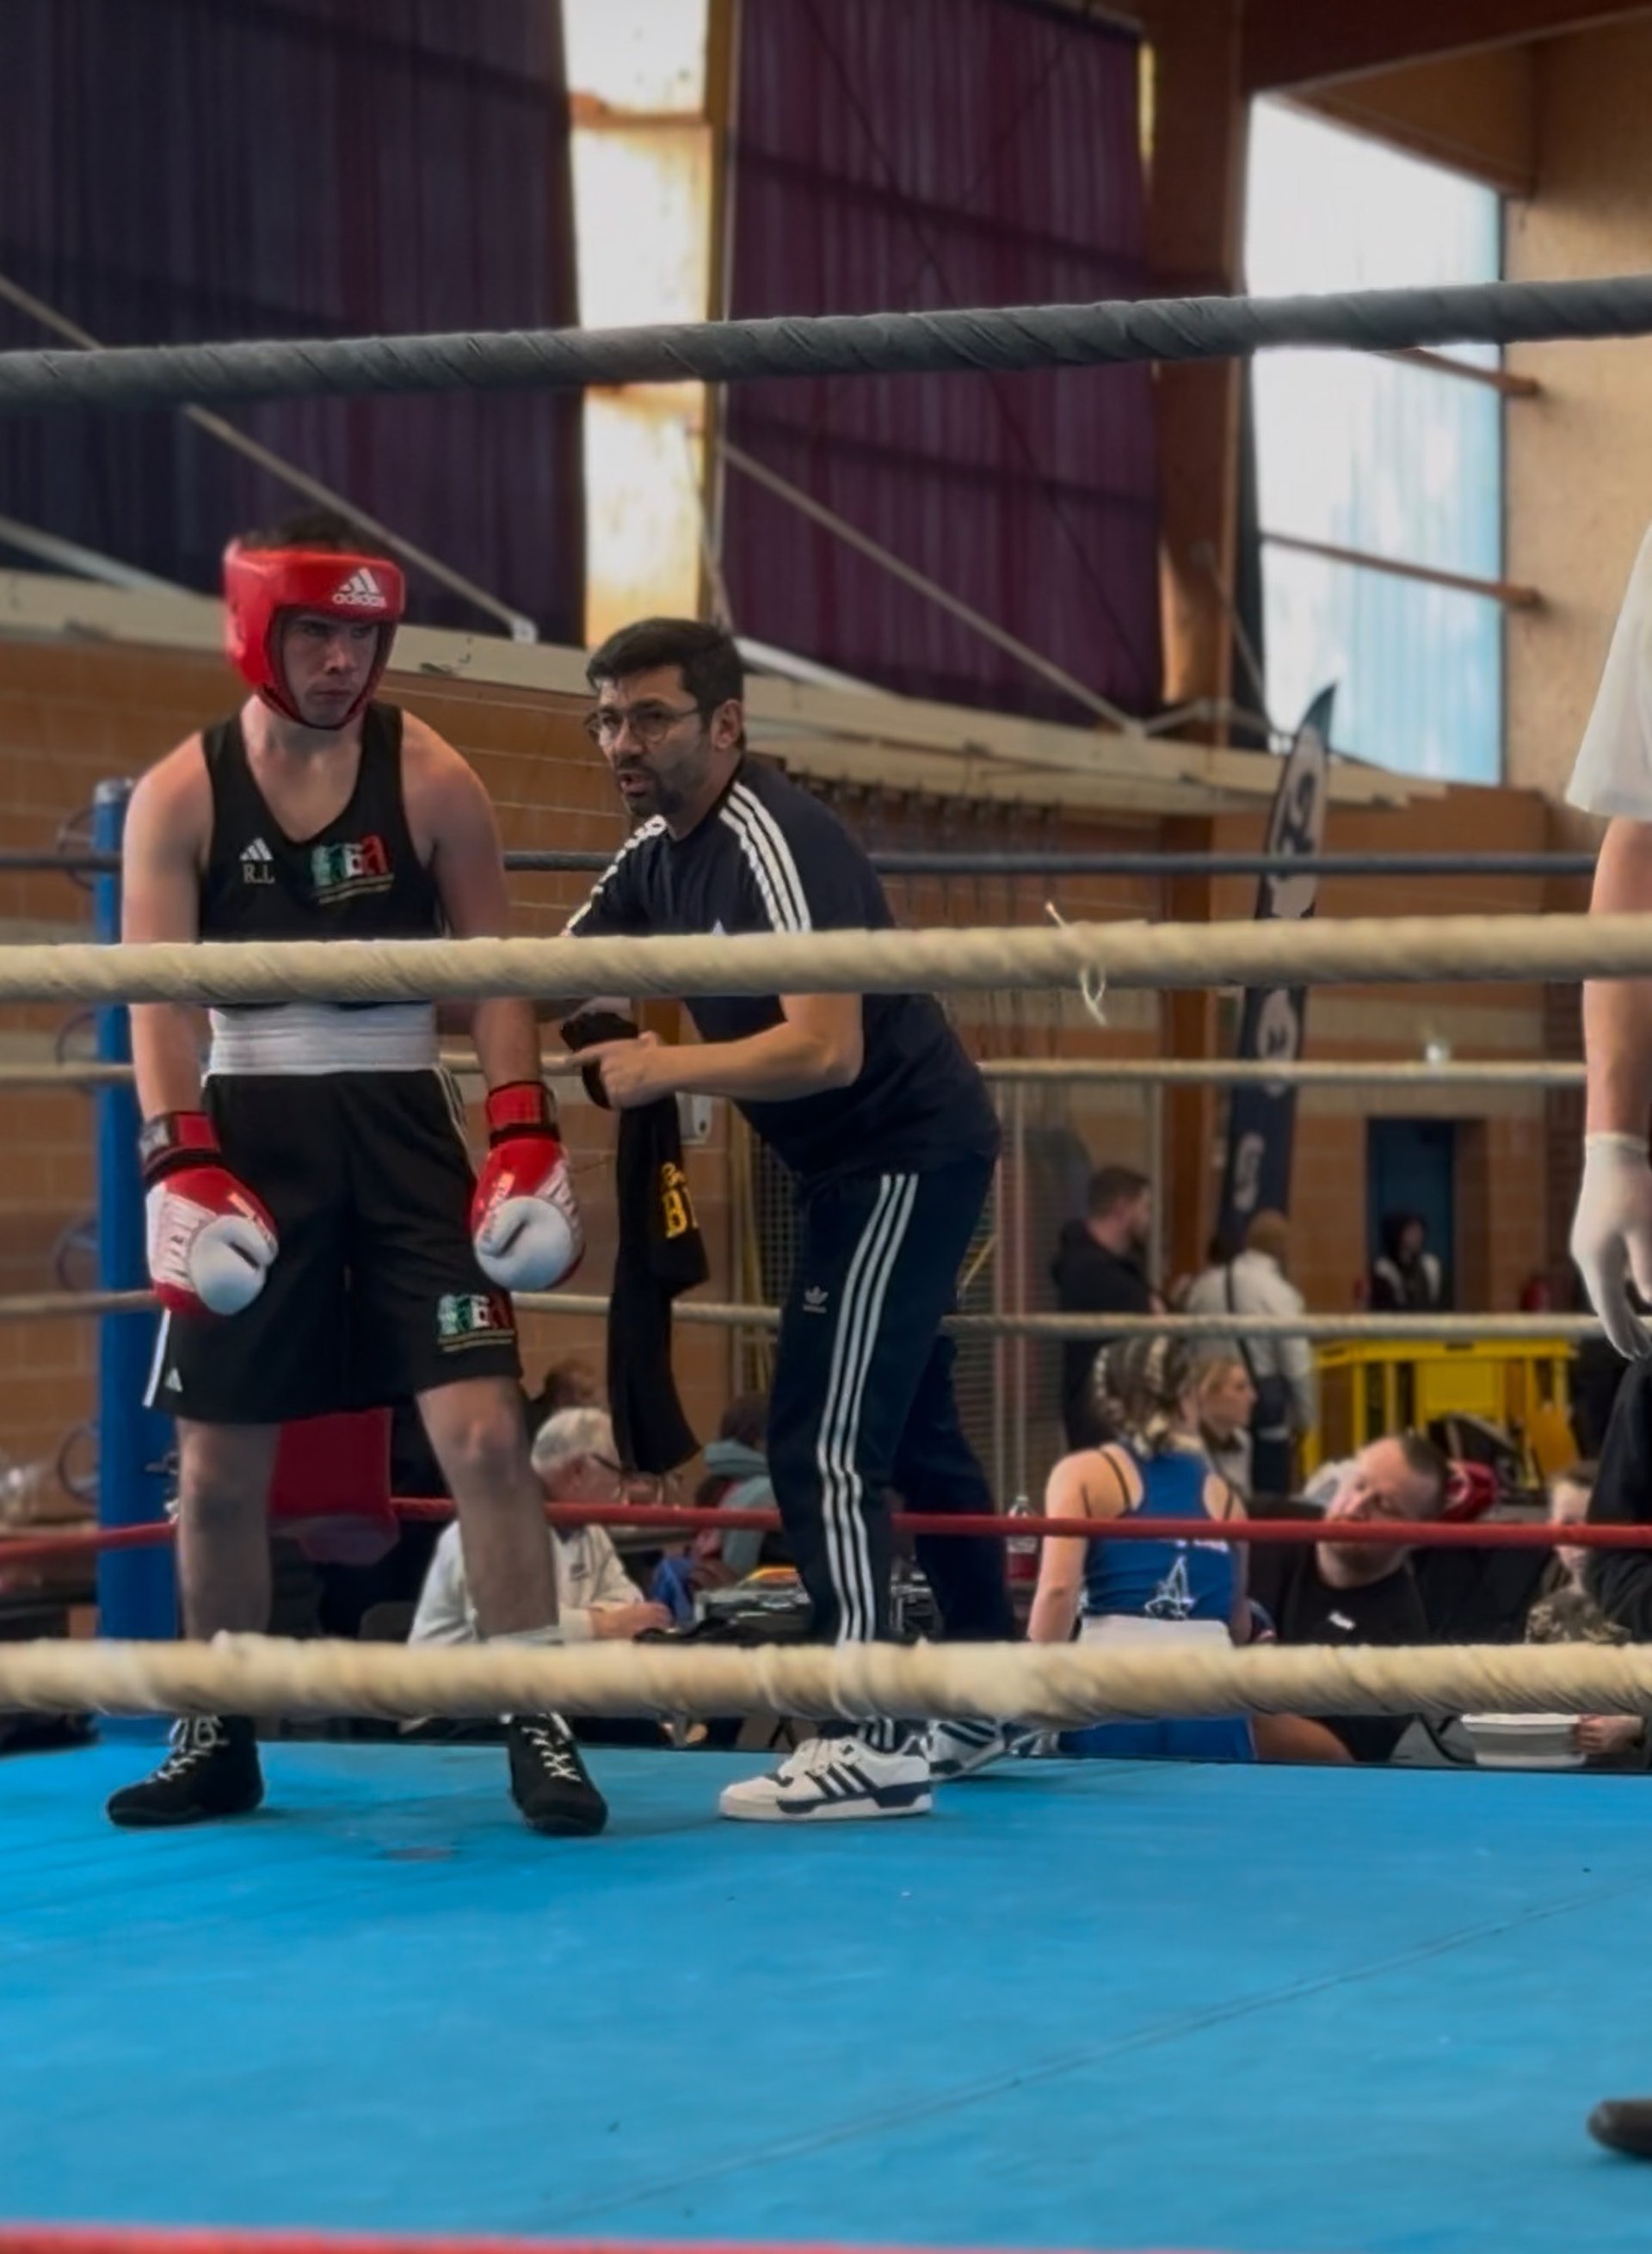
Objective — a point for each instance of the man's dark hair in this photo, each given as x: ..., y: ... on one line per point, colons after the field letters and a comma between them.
x: 570, y: 1383
x: 1112, y: 1187
x: 745, y: 1419
x: 1427, y: 1462
x: 710, y: 665
x: 308, y: 528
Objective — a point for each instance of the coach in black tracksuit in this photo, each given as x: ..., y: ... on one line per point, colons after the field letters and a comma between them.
x: 887, y: 1127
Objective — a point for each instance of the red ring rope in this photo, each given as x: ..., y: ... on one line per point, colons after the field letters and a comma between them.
x: 1439, y: 1534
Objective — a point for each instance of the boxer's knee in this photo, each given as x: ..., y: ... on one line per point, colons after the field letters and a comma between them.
x: 223, y: 1477
x: 480, y: 1444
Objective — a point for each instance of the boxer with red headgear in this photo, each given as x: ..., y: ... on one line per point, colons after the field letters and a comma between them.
x: 316, y: 1234
x: 281, y: 608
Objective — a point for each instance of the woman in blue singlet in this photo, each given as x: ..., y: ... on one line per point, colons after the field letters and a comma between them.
x: 1145, y: 1590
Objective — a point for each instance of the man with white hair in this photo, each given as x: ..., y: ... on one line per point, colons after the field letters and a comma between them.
x: 574, y: 1460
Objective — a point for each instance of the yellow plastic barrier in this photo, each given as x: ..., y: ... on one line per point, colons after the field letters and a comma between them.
x: 1390, y: 1386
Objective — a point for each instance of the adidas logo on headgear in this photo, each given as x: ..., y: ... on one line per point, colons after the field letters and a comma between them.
x: 362, y: 589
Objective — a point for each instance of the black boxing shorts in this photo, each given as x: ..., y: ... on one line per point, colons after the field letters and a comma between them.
x: 375, y: 1294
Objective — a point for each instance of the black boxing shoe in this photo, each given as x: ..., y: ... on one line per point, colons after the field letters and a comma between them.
x: 1624, y: 2125
x: 211, y: 1771
x: 549, y: 1780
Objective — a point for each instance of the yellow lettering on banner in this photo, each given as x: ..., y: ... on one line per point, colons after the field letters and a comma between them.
x: 675, y: 1205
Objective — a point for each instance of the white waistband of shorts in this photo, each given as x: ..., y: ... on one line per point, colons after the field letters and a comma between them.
x: 317, y: 1037
x: 1129, y: 1628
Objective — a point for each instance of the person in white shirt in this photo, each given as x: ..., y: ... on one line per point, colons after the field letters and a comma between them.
x: 1280, y: 1368
x: 1612, y: 1229
x: 574, y: 1459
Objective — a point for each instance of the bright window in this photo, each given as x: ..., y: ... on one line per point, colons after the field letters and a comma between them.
x: 642, y: 200
x: 1379, y: 456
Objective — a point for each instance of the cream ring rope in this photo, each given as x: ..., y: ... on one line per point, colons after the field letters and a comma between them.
x: 1294, y: 1072
x: 1372, y: 949
x: 1552, y: 1330
x: 1052, y: 1685
x: 1031, y: 1072
x: 1353, y: 1327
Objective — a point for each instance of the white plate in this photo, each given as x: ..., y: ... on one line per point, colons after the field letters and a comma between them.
x: 1518, y: 1724
x: 1523, y: 1741
x: 1532, y: 1757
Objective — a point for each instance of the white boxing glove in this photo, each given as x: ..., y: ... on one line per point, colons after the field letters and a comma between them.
x: 1612, y: 1236
x: 525, y: 1220
x: 211, y: 1242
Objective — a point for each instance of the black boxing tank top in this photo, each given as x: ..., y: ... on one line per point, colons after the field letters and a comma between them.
x: 361, y: 878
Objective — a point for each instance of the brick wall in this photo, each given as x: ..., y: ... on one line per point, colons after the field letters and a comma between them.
x: 70, y: 716
x: 73, y: 713
x: 1507, y: 1192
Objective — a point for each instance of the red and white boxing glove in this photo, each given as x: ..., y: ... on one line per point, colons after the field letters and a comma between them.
x: 525, y: 1218
x: 211, y: 1242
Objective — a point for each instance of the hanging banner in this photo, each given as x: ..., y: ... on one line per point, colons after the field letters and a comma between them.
x: 1261, y: 1117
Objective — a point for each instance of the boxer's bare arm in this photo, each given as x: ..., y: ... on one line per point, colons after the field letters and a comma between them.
x: 451, y: 818
x: 167, y: 826
x: 1617, y: 1012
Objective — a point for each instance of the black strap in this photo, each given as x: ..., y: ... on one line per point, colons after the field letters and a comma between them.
x: 1245, y: 1351
x: 1106, y: 1454
x: 1276, y: 1395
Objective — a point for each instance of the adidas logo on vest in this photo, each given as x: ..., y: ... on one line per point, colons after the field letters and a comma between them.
x: 258, y: 864
x: 361, y: 589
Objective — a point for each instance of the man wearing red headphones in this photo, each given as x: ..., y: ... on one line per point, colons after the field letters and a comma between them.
x: 316, y: 1234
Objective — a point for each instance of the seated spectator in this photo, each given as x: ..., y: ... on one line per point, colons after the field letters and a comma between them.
x: 1569, y: 1494
x: 1162, y: 1590
x: 1346, y: 1592
x: 736, y: 1479
x: 1406, y: 1277
x: 1596, y: 1373
x: 574, y: 1459
x: 1620, y: 1580
x: 570, y: 1383
x: 737, y: 1462
x: 1099, y: 1270
x: 1226, y: 1400
x: 1565, y: 1612
x: 1281, y: 1368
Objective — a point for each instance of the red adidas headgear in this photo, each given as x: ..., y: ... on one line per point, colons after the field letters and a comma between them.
x: 263, y: 585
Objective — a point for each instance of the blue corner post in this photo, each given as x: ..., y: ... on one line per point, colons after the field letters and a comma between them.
x: 134, y: 1586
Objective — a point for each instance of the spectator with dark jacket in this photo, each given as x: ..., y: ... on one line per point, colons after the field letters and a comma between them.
x: 1620, y: 1580
x: 1346, y: 1592
x: 1564, y: 1612
x: 1406, y: 1277
x: 571, y: 1383
x: 1596, y: 1373
x: 1099, y: 1270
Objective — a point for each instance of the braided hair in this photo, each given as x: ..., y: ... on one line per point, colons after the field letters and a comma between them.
x: 1139, y: 1386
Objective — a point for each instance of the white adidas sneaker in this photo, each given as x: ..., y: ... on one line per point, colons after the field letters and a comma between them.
x: 833, y: 1780
x: 964, y: 1748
